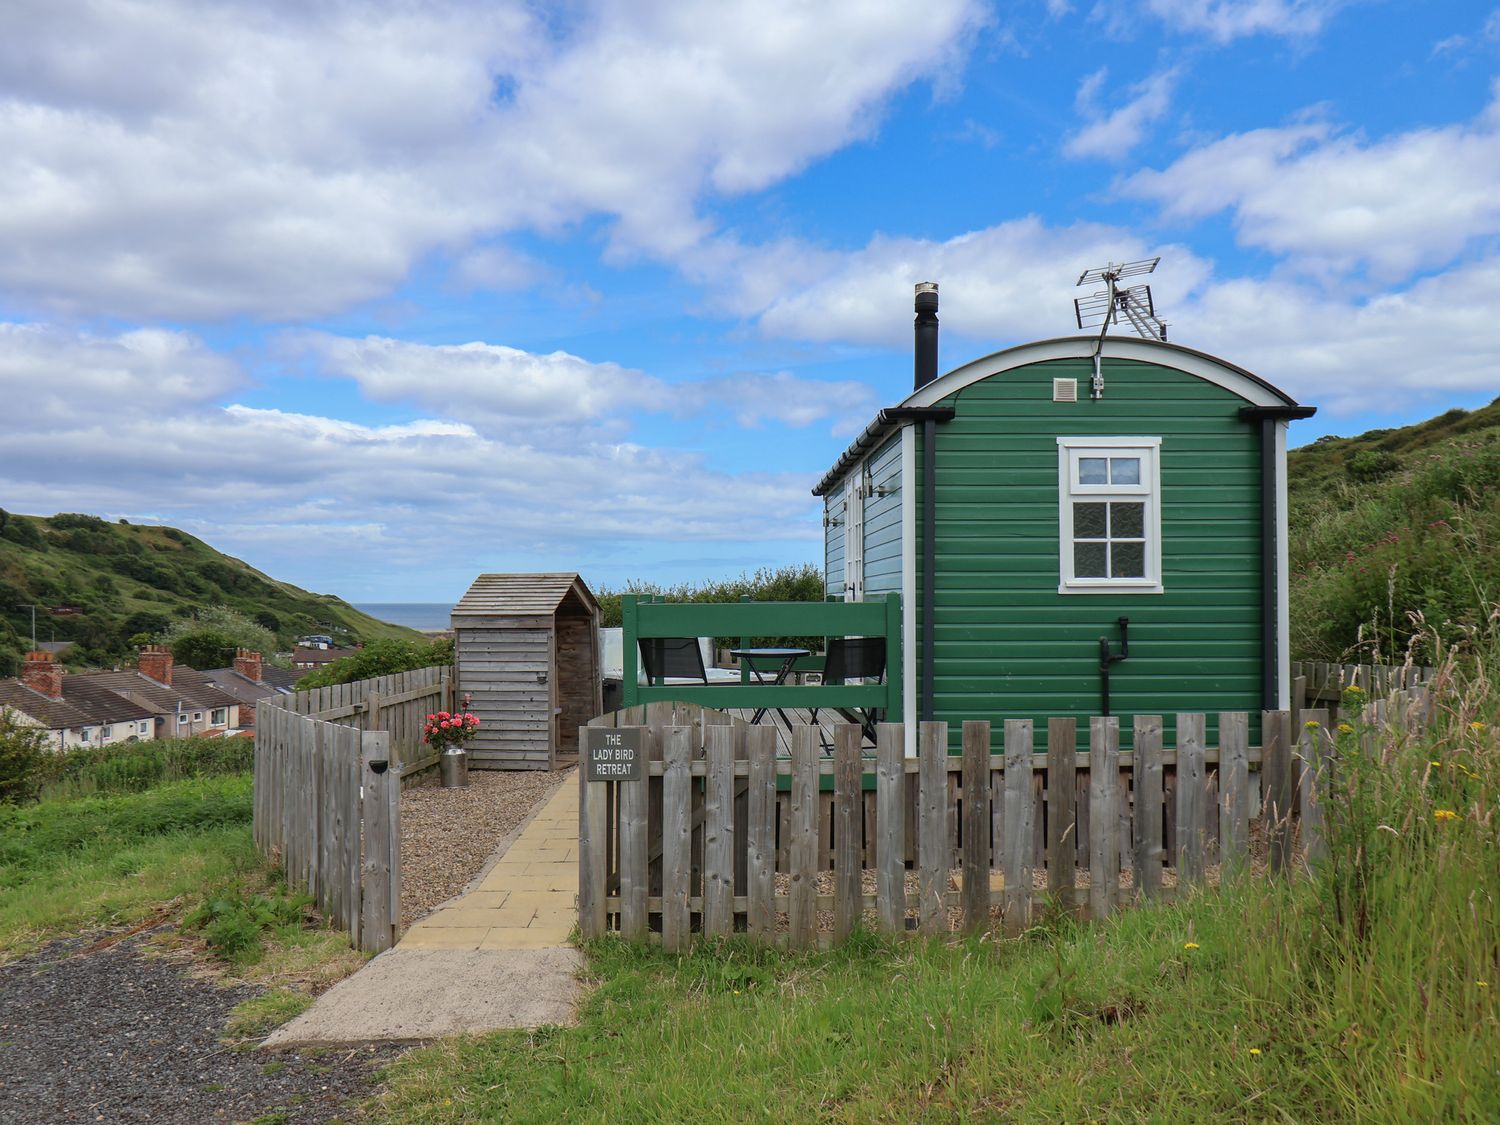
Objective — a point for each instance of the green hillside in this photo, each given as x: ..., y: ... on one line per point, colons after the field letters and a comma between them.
x: 1392, y: 524
x: 125, y: 580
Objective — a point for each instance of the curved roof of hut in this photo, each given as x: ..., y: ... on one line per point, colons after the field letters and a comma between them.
x: 1256, y: 392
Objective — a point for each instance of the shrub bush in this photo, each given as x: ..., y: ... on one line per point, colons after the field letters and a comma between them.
x: 380, y: 658
x: 234, y: 923
x: 23, y: 750
x: 131, y: 767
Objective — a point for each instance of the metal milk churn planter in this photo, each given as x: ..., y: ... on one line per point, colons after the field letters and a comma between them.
x: 454, y: 767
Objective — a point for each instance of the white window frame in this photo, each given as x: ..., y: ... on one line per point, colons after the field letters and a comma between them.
x: 145, y: 726
x: 1070, y: 450
x: 85, y: 734
x: 218, y: 717
x: 107, y: 731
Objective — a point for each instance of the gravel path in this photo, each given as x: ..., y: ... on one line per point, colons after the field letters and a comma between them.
x: 448, y: 835
x: 103, y: 1031
x: 113, y: 1035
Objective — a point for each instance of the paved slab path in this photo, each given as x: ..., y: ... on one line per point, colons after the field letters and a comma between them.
x: 498, y: 956
x: 527, y: 900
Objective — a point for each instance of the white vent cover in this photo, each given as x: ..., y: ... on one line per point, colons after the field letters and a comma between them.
x: 1064, y: 390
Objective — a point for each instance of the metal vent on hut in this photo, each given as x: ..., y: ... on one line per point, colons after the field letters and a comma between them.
x: 1113, y: 302
x: 1064, y: 390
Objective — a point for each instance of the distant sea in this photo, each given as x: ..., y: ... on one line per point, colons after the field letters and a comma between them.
x: 430, y: 617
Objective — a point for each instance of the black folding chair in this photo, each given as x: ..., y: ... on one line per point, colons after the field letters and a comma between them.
x: 678, y: 658
x: 854, y: 658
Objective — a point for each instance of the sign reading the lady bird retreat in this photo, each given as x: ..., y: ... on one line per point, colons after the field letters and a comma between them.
x: 612, y: 755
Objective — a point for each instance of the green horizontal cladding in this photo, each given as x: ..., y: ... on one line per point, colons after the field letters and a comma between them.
x: 1007, y: 644
x: 645, y: 617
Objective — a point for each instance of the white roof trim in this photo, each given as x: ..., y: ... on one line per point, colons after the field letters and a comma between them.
x: 1082, y: 347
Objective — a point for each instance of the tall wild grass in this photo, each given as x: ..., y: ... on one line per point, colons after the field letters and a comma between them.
x: 1361, y: 990
x: 133, y: 767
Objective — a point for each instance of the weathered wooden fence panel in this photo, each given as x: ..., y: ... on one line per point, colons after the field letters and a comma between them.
x: 327, y: 804
x: 397, y: 704
x: 800, y: 851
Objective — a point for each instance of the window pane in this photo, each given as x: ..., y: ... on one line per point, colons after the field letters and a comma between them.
x: 1089, y: 561
x: 1088, y: 521
x: 1129, y: 560
x: 1124, y: 470
x: 1127, y: 521
x: 1093, y: 470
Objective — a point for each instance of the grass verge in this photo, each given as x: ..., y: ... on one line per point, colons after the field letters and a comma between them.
x: 179, y: 852
x: 1366, y: 992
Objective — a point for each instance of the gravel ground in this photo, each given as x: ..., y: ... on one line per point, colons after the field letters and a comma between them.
x: 106, y: 1031
x: 448, y: 835
x: 116, y: 1035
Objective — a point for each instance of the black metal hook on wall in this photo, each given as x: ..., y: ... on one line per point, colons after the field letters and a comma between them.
x: 1107, y: 659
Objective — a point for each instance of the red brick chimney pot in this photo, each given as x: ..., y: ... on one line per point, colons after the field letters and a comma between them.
x: 41, y: 673
x: 248, y: 664
x: 156, y: 662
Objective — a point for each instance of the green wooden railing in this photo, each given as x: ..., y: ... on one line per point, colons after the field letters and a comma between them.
x: 643, y: 616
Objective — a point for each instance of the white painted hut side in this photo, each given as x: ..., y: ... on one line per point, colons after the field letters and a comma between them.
x: 527, y: 653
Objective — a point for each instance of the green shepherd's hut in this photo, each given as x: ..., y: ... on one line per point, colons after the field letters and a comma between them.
x: 1072, y: 545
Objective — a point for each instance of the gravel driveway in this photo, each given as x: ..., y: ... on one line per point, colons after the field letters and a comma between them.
x: 115, y: 1035
x: 94, y: 1031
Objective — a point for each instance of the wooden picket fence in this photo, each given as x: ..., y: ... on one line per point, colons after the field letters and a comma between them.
x: 721, y: 836
x: 327, y: 804
x: 396, y: 704
x: 1322, y: 684
x: 329, y: 767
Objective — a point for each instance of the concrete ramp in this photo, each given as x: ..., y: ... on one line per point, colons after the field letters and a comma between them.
x: 412, y: 994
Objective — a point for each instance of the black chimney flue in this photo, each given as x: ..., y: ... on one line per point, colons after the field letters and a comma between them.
x: 926, y: 366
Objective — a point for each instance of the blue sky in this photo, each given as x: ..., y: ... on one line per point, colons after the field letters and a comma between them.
x: 380, y: 296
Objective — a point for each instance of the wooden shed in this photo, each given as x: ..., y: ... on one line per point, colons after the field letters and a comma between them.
x: 527, y: 654
x: 1072, y: 545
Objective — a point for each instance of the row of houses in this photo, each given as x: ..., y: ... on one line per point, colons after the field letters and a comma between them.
x: 156, y: 699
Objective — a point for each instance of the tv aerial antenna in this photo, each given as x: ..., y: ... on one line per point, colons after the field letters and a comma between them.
x: 1114, y: 303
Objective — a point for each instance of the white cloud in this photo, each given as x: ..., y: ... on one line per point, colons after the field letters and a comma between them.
x: 1011, y: 282
x: 1226, y: 20
x: 51, y: 377
x: 500, y: 389
x: 188, y: 160
x: 1014, y: 282
x: 1335, y: 202
x: 1386, y: 353
x: 134, y: 425
x: 1112, y: 135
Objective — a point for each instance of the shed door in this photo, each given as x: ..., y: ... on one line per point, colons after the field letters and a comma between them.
x: 507, y: 671
x: 854, y: 537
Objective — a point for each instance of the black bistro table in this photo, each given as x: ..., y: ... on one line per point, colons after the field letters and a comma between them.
x: 788, y: 658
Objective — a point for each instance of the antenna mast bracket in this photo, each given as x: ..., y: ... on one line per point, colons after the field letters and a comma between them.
x: 1133, y: 302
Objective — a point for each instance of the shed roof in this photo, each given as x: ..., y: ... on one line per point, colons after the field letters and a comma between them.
x: 507, y: 595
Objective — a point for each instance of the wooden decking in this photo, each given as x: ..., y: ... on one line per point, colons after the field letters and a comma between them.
x: 795, y: 716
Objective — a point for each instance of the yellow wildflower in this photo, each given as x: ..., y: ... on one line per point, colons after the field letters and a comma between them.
x: 1441, y: 815
x: 1476, y: 725
x: 1354, y: 689
x: 1190, y: 945
x: 1437, y: 764
x: 1345, y: 728
x: 1311, y: 724
x: 1482, y: 983
x: 1255, y: 1050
